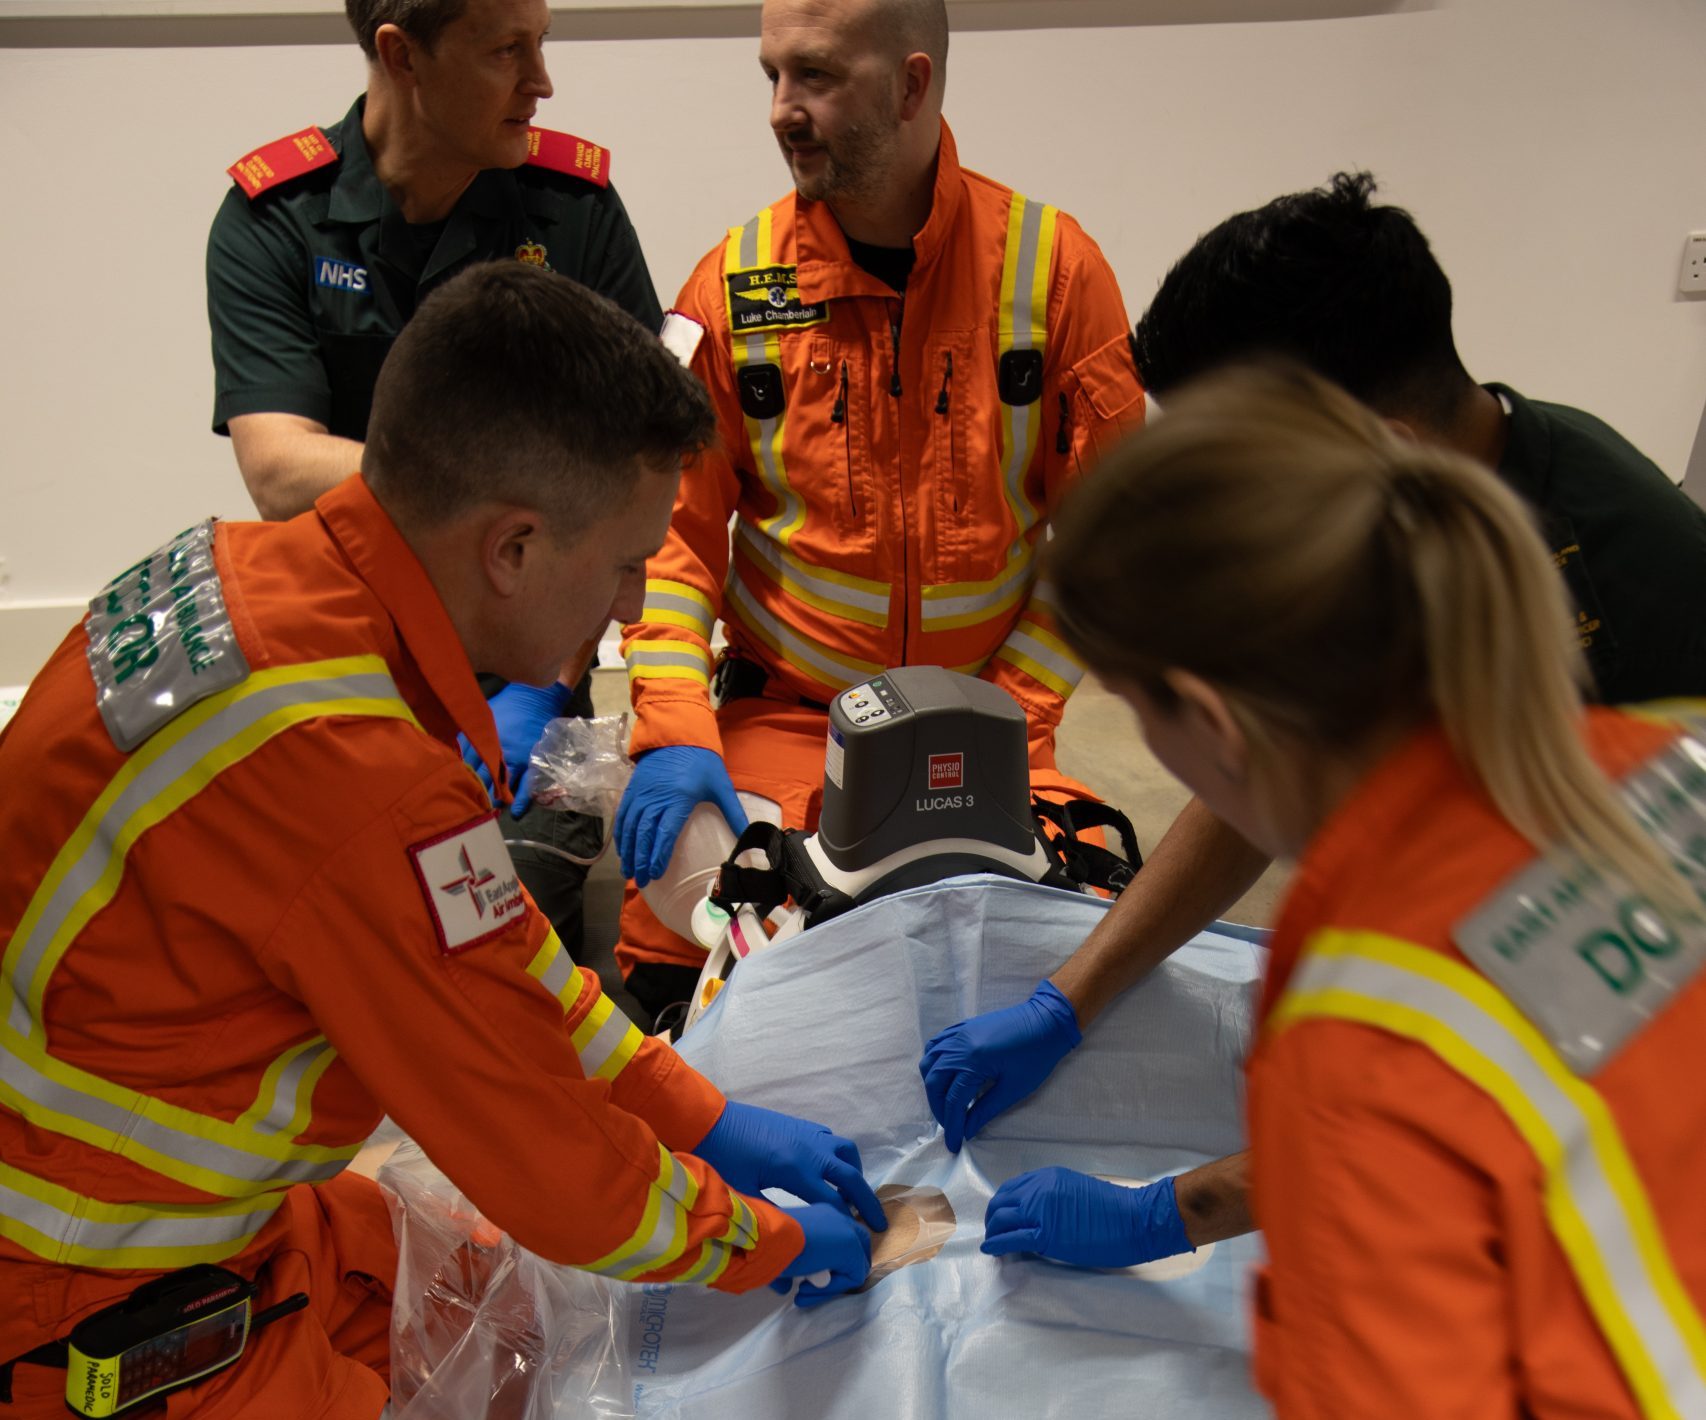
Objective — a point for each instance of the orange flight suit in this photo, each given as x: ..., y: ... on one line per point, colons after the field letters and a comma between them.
x: 891, y: 461
x: 282, y: 912
x: 1459, y: 1222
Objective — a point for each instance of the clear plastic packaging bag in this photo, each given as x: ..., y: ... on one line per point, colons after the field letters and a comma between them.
x: 482, y: 1327
x: 582, y: 765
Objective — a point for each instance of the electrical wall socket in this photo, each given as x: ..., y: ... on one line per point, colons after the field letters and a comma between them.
x: 1692, y: 281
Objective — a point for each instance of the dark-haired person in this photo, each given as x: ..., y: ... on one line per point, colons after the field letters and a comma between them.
x: 1476, y: 1136
x: 327, y: 241
x: 267, y: 902
x: 1350, y: 288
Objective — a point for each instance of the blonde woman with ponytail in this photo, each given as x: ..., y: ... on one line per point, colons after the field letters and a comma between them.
x: 1478, y: 1096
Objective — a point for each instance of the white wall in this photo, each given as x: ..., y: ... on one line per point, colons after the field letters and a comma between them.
x: 1551, y: 149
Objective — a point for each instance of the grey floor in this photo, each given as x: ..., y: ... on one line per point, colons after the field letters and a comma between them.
x: 1099, y: 744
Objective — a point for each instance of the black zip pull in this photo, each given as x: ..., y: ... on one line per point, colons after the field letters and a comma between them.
x: 1062, y: 440
x: 947, y: 374
x: 838, y: 415
x: 894, y: 330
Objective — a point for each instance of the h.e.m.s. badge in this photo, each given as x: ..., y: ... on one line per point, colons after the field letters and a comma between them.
x: 767, y: 297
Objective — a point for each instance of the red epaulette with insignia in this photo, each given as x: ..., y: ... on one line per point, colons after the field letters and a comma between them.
x: 281, y: 161
x: 564, y: 153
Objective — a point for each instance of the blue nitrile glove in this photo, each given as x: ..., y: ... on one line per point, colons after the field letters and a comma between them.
x: 668, y: 784
x: 834, y: 1244
x: 974, y: 1070
x: 522, y: 712
x: 1074, y: 1218
x: 754, y: 1149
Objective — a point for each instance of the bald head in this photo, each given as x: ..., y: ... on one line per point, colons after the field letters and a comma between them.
x: 904, y: 27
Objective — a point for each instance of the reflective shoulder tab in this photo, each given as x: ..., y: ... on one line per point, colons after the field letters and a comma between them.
x: 160, y: 638
x: 1580, y: 952
x: 1595, y: 1201
x: 564, y: 153
x: 681, y: 336
x: 281, y: 161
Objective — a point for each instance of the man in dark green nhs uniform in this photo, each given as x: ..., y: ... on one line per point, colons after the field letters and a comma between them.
x: 330, y: 238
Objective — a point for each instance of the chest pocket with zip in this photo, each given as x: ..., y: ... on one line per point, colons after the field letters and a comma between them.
x: 836, y: 379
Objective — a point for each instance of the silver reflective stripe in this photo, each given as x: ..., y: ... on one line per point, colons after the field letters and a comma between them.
x: 1573, y: 1151
x: 869, y: 605
x: 795, y: 645
x: 285, y: 1103
x: 750, y: 350
x: 689, y: 659
x: 947, y: 601
x: 743, y: 1225
x: 682, y: 606
x: 132, y: 1126
x: 163, y: 1230
x: 747, y: 255
x: 160, y: 638
x: 668, y: 1237
x: 597, y: 1051
x: 558, y: 972
x: 713, y: 1257
x: 242, y: 714
x: 1044, y: 655
x: 1024, y: 338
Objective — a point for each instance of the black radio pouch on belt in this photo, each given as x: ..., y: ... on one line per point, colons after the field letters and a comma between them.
x: 167, y: 1334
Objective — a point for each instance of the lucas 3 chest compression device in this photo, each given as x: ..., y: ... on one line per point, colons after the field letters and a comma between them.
x: 926, y: 776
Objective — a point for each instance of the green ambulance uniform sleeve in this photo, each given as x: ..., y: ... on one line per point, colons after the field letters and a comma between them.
x: 266, y: 354
x: 614, y: 265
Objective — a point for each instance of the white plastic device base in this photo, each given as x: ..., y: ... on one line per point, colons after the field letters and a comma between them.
x: 728, y: 940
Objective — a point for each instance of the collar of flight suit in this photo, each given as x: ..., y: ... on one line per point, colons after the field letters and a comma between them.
x: 389, y: 567
x: 826, y: 270
x: 1359, y: 832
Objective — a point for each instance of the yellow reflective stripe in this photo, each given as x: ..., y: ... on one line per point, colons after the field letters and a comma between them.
x: 61, y: 1226
x: 949, y: 606
x: 304, y: 1111
x: 155, y: 781
x: 661, y: 1236
x: 1593, y: 1197
x: 677, y: 604
x: 1023, y: 325
x: 712, y: 1262
x: 553, y: 968
x: 668, y: 660
x: 1043, y: 656
x: 838, y: 593
x: 231, y: 1159
x: 284, y: 1102
x: 226, y: 1160
x: 753, y: 246
x: 743, y: 1223
x: 606, y: 1040
x: 806, y: 654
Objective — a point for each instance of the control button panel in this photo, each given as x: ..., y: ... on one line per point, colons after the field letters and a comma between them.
x: 872, y: 703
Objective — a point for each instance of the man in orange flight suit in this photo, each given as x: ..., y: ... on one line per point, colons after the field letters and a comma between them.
x: 909, y: 363
x: 1467, y: 1213
x: 252, y: 899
